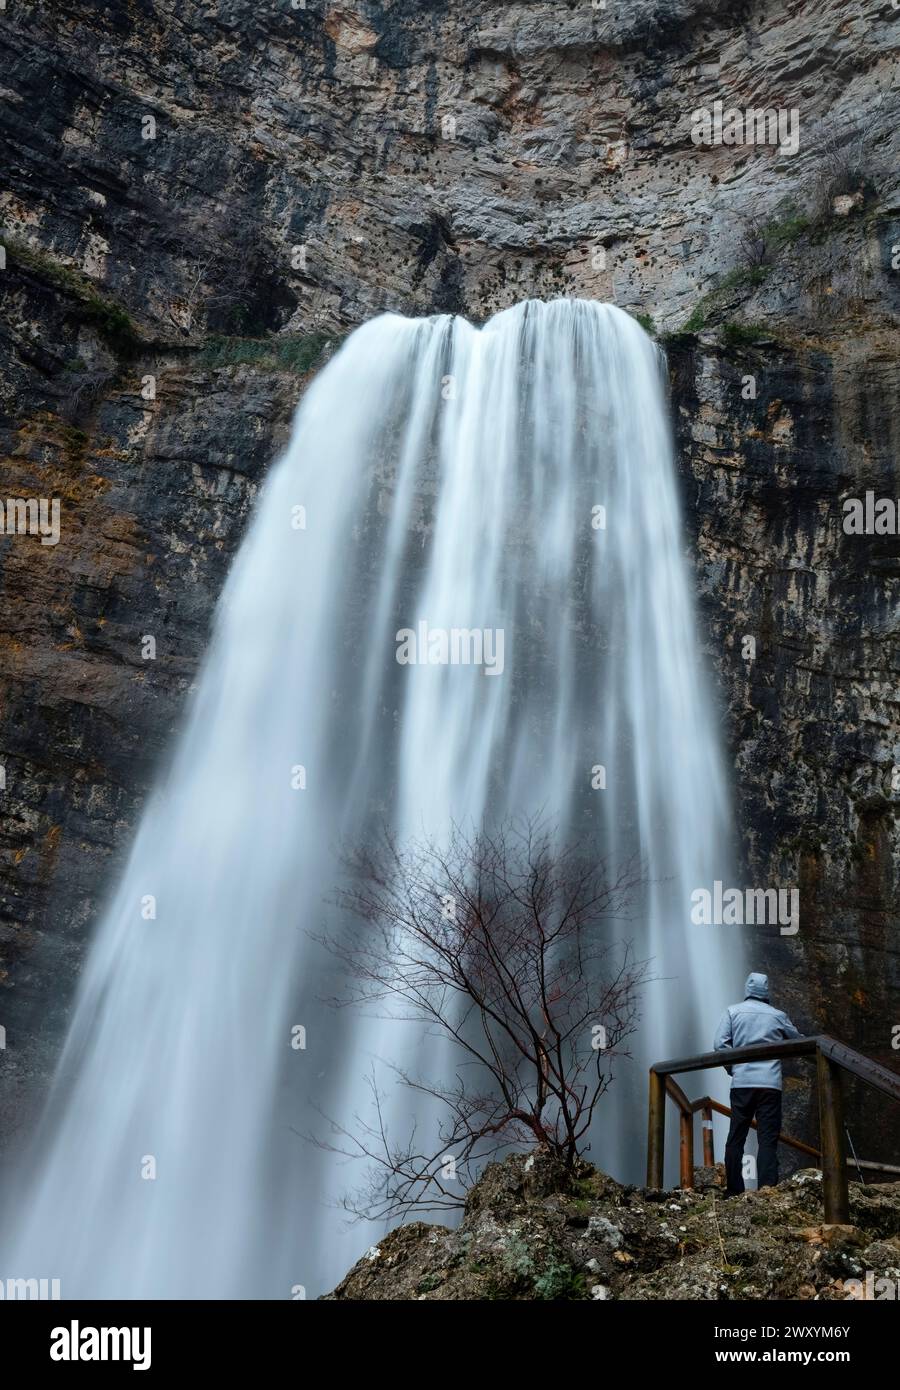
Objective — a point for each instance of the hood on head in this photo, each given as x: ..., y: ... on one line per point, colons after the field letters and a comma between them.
x: 757, y: 986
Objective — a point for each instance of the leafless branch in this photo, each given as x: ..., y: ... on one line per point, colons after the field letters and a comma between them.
x: 499, y: 943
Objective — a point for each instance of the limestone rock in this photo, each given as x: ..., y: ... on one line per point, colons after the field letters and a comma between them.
x: 749, y: 1247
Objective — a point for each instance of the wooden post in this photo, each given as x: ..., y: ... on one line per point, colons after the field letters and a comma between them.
x: 687, y: 1149
x: 709, y: 1153
x: 656, y: 1131
x: 831, y: 1139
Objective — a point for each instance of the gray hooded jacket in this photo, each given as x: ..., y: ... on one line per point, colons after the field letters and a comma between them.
x: 754, y: 1021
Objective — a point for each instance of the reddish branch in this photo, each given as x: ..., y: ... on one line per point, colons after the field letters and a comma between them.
x: 499, y: 943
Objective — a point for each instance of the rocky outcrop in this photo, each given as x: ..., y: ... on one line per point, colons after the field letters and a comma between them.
x: 199, y: 202
x: 530, y: 1231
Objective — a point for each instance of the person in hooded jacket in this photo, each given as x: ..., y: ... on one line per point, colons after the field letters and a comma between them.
x: 755, y: 1086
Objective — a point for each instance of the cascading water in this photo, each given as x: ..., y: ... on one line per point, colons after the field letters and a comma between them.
x: 515, y: 481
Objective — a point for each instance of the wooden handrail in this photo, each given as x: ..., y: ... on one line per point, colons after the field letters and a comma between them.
x: 759, y: 1052
x: 831, y: 1058
x: 705, y: 1102
x: 871, y: 1072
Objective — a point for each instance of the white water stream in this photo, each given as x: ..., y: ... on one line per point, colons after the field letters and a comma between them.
x: 450, y: 477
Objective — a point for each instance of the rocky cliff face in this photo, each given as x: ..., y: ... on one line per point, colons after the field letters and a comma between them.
x: 197, y: 204
x: 812, y: 715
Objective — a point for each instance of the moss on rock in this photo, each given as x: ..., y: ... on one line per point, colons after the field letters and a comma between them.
x: 534, y: 1231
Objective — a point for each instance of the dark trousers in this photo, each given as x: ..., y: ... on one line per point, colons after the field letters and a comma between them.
x: 764, y: 1105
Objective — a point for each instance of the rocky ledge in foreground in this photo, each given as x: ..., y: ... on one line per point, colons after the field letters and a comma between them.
x: 531, y: 1231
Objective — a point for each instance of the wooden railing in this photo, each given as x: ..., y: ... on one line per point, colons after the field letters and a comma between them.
x: 831, y: 1058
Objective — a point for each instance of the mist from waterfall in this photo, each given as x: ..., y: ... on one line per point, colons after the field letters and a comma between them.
x: 514, y: 480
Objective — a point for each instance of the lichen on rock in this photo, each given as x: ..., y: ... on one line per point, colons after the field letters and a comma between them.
x: 533, y: 1231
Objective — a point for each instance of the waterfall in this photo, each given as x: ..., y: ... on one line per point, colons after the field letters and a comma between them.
x: 516, y: 481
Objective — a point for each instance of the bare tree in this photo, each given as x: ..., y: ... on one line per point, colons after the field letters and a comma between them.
x: 186, y: 311
x: 847, y: 162
x: 84, y: 385
x: 755, y: 239
x: 498, y: 944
